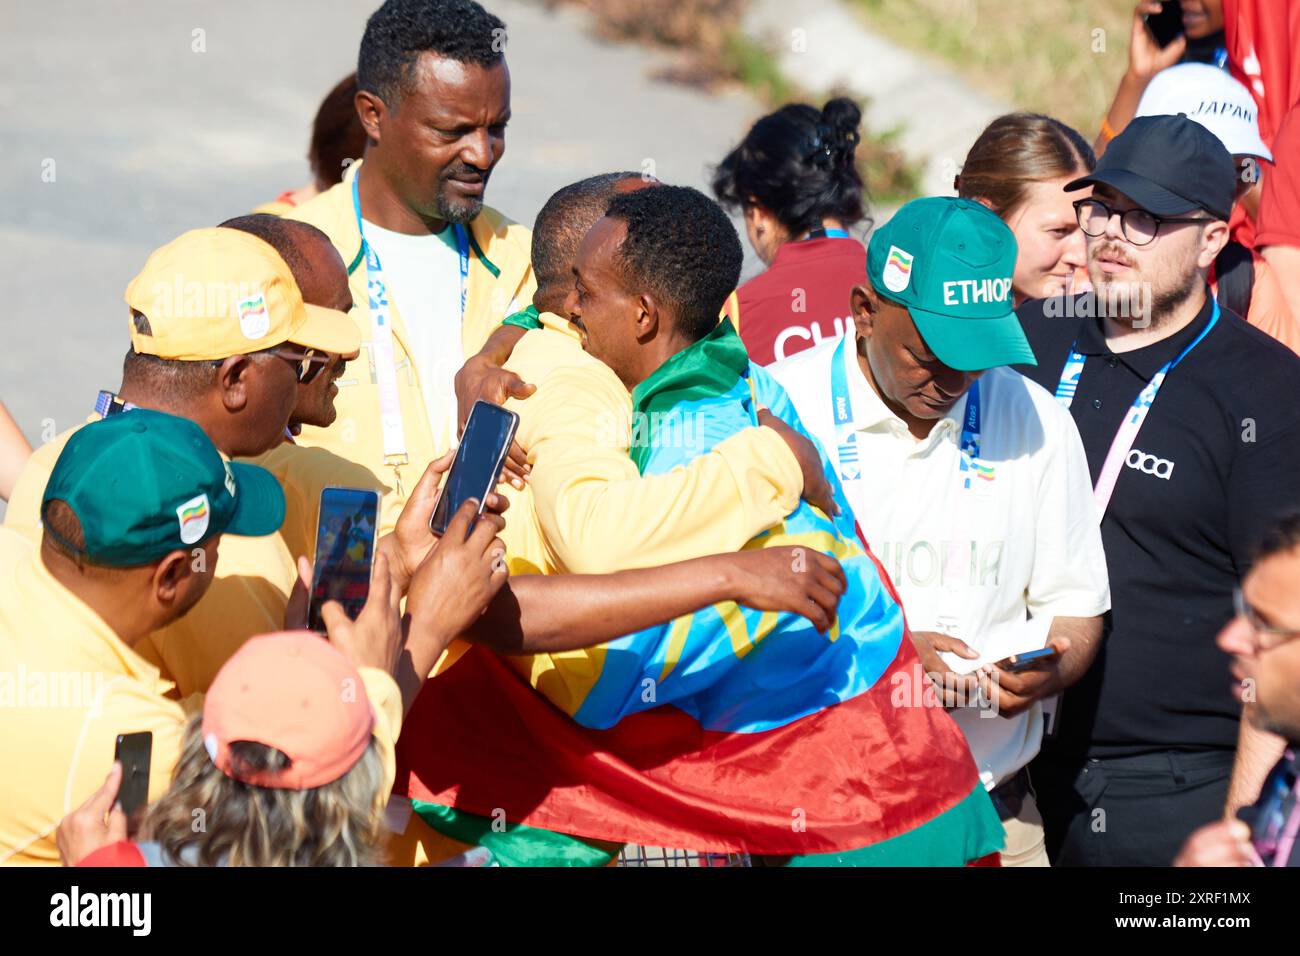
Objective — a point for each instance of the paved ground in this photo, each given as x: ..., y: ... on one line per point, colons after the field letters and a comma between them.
x: 824, y: 46
x: 149, y: 138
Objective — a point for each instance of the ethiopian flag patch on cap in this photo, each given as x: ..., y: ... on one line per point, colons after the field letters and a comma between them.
x: 193, y: 517
x: 898, y: 269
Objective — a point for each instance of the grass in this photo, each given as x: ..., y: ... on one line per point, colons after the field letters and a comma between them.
x: 1060, y: 57
x: 715, y: 50
x: 754, y: 66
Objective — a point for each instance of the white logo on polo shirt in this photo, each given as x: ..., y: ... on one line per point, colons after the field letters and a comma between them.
x: 1150, y: 464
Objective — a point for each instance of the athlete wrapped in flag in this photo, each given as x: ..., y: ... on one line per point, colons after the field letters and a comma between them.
x: 730, y: 730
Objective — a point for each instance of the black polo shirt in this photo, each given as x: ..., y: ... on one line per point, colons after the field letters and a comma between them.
x: 1217, y: 459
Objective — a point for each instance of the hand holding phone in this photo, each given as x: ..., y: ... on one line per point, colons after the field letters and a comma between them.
x: 345, y: 551
x: 374, y: 637
x: 1029, y: 660
x: 489, y: 432
x: 1166, y: 26
x: 97, y: 823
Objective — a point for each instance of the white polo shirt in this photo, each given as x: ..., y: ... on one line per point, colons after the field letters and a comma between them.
x: 423, y: 276
x: 991, y: 563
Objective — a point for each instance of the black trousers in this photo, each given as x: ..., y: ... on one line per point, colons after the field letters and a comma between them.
x: 1128, y: 811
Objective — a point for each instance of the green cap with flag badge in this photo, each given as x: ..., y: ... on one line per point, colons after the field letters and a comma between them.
x: 949, y: 261
x: 144, y: 484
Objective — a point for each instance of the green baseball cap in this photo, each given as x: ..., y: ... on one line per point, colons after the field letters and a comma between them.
x: 949, y: 262
x: 144, y: 484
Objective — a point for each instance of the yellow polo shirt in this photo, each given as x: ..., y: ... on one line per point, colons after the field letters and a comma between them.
x: 68, y: 686
x: 500, y: 282
x: 588, y: 510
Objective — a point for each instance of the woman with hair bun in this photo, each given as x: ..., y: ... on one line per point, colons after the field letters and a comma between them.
x: 1018, y: 167
x: 795, y: 178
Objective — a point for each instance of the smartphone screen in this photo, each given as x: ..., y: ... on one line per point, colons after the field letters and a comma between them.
x: 1167, y: 25
x: 1027, y: 660
x: 1275, y: 809
x: 133, y: 752
x: 477, y: 466
x: 345, y: 551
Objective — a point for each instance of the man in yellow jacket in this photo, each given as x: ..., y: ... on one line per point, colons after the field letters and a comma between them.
x: 220, y: 334
x: 432, y: 269
x: 134, y: 517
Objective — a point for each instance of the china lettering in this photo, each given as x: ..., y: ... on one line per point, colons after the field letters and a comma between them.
x: 812, y: 333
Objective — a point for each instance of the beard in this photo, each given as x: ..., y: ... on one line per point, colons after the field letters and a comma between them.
x: 1270, y: 724
x: 458, y: 209
x: 1167, y: 300
x: 1136, y: 300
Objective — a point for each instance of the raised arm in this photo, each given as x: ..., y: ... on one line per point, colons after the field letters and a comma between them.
x: 1145, y: 60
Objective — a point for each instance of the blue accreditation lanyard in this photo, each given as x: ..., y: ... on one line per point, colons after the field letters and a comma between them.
x: 955, y: 575
x: 1122, y: 443
x: 107, y: 403
x: 846, y: 436
x: 381, y: 336
x: 821, y: 233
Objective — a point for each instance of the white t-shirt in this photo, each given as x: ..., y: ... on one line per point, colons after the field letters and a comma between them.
x: 422, y: 274
x: 1023, y: 543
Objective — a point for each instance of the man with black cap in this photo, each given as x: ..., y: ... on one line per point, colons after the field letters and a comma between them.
x: 1191, y: 422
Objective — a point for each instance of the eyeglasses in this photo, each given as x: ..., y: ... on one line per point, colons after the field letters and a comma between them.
x: 307, y: 365
x: 1267, y: 635
x: 1138, y: 226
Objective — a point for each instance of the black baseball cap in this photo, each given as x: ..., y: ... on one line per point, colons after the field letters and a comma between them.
x: 1168, y: 165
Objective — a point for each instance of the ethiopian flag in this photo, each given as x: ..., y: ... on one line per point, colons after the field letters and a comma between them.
x: 729, y: 730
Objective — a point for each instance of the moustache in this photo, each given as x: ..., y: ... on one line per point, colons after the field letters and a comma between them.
x: 1111, y: 251
x: 466, y: 173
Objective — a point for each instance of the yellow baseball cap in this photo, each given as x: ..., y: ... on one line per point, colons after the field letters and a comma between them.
x: 214, y: 293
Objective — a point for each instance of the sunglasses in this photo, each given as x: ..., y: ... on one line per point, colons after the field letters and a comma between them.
x: 1267, y: 635
x: 307, y: 365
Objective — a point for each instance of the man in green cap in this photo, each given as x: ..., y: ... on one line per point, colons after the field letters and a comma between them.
x: 133, y: 514
x: 969, y: 482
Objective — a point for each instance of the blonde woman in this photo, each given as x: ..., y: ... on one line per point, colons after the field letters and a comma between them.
x: 280, y: 769
x: 1018, y: 167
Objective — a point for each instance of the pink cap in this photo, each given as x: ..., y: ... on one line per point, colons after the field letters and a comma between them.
x: 297, y: 693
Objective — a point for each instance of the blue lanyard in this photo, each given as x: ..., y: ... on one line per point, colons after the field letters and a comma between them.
x: 1126, y: 435
x: 970, y: 439
x: 1069, y: 381
x: 846, y: 436
x: 372, y: 258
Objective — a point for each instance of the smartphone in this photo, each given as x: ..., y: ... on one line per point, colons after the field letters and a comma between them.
x: 1166, y: 26
x: 1028, y: 660
x: 133, y: 752
x: 345, y: 551
x: 489, y: 433
x: 1274, y: 810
